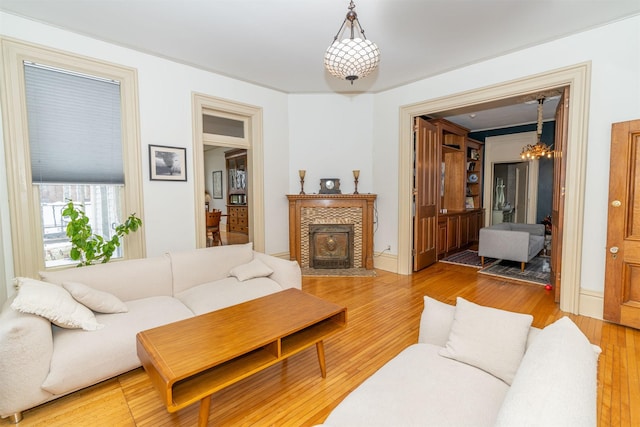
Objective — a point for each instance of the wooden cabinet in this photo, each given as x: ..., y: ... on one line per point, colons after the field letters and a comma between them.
x: 460, y: 165
x: 475, y: 153
x: 458, y: 231
x: 238, y: 219
x: 237, y: 205
x: 452, y: 140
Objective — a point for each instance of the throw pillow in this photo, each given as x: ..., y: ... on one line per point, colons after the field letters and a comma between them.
x: 488, y: 338
x: 556, y: 384
x: 250, y: 270
x: 54, y: 303
x: 435, y: 323
x: 99, y: 301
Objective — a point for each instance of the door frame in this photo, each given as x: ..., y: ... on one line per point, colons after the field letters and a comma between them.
x: 506, y: 149
x: 578, y: 78
x: 255, y: 163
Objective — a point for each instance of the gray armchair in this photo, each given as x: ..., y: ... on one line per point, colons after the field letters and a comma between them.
x: 511, y: 241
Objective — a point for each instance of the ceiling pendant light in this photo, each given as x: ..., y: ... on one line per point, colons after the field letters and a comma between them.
x: 352, y: 58
x: 540, y: 149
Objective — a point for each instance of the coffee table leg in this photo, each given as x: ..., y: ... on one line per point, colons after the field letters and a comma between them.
x: 323, y: 366
x: 203, y: 416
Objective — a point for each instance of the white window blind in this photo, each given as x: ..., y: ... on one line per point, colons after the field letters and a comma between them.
x: 74, y: 127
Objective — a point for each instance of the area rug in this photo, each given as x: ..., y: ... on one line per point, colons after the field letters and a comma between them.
x: 511, y: 270
x: 336, y: 272
x: 468, y: 258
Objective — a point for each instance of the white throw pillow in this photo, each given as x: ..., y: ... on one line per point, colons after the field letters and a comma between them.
x: 488, y: 338
x: 54, y: 303
x: 255, y: 268
x: 100, y: 301
x: 435, y: 322
x: 556, y: 384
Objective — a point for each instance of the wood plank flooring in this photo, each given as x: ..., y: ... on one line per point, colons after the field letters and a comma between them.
x: 383, y: 319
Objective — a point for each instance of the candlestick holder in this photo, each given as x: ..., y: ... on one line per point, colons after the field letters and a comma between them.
x: 356, y: 175
x: 302, y: 173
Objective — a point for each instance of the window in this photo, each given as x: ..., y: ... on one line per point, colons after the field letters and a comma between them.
x: 74, y: 133
x: 76, y: 152
x: 219, y: 127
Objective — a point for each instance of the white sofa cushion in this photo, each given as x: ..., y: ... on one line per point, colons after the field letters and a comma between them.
x: 250, y: 270
x: 437, y: 318
x: 556, y: 384
x: 225, y: 293
x: 435, y: 322
x: 420, y: 388
x: 126, y: 279
x: 491, y: 339
x: 83, y: 358
x: 100, y: 301
x: 53, y: 303
x: 287, y: 273
x: 193, y: 268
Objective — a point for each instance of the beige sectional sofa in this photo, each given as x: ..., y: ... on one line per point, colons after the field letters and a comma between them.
x: 40, y: 361
x: 479, y: 366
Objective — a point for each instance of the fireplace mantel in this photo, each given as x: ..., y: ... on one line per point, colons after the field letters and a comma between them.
x: 305, y: 209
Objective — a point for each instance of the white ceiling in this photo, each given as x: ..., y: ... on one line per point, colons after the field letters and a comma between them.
x: 280, y: 44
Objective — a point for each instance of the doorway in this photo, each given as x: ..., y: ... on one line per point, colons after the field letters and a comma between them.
x: 510, y: 192
x: 225, y: 191
x: 250, y: 139
x: 576, y: 79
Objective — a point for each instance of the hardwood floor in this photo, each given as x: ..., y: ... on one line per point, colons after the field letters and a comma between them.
x: 383, y: 319
x: 233, y: 238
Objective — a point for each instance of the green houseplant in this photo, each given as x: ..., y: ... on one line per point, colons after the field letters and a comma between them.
x: 92, y: 248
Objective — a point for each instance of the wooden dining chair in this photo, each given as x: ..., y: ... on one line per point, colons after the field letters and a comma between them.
x: 213, y: 228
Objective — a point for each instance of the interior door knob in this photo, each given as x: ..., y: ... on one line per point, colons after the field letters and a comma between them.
x: 614, y: 251
x: 616, y: 203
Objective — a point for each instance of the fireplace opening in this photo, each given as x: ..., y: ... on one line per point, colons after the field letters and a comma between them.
x: 331, y: 246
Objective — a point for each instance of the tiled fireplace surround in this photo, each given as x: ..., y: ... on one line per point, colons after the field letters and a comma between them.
x: 355, y: 209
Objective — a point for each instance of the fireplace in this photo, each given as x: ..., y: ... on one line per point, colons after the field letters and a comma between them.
x: 331, y: 245
x: 350, y: 218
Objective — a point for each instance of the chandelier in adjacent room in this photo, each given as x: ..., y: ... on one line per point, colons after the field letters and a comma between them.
x: 352, y: 58
x: 540, y: 149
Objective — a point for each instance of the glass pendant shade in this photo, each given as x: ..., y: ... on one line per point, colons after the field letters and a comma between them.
x: 351, y: 59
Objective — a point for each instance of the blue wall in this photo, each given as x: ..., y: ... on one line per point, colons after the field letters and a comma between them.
x: 545, y: 179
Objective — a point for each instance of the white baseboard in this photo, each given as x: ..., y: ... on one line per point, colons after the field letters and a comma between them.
x: 386, y: 262
x: 591, y: 304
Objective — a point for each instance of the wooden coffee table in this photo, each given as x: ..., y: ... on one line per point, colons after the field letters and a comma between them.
x: 191, y: 359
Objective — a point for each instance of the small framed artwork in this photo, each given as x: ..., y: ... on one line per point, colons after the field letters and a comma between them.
x: 217, y: 184
x: 167, y: 163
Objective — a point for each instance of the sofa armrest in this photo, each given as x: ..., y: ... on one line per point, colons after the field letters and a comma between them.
x: 286, y: 273
x: 26, y: 347
x: 504, y: 244
x: 560, y: 355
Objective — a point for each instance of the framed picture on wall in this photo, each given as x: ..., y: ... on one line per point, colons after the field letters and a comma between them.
x: 167, y: 163
x: 217, y: 184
